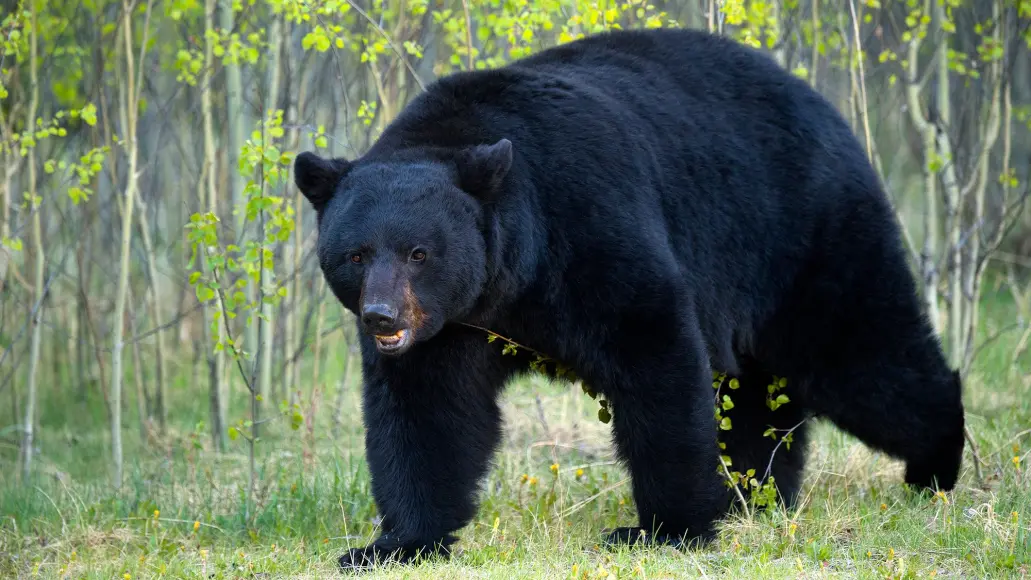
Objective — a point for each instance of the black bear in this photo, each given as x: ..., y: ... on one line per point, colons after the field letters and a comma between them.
x: 645, y: 207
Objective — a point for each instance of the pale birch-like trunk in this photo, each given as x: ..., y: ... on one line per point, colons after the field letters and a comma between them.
x: 142, y: 398
x: 234, y: 140
x: 129, y: 115
x: 815, y: 64
x: 154, y: 303
x: 316, y: 363
x: 927, y: 130
x: 11, y: 163
x: 73, y: 349
x: 36, y: 307
x: 267, y: 277
x: 234, y: 118
x: 202, y: 354
x: 974, y: 262
x: 950, y: 188
x: 216, y: 357
x: 778, y: 50
x: 295, y: 338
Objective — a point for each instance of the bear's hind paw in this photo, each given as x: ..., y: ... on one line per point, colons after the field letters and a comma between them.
x: 369, y: 557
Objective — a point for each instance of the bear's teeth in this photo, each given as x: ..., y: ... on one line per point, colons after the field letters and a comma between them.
x: 392, y: 338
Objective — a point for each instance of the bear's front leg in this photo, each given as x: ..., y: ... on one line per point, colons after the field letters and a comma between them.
x: 664, y: 432
x: 432, y: 424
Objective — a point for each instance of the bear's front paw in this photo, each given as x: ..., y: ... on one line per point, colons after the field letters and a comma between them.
x: 634, y: 536
x: 387, y: 550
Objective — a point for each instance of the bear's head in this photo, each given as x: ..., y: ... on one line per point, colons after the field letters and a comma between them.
x: 401, y: 240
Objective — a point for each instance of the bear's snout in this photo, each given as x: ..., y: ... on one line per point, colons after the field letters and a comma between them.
x: 379, y: 318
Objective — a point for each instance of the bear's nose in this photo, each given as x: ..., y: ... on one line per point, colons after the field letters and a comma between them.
x: 379, y: 317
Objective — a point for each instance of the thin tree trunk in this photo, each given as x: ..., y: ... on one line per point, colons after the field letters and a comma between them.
x: 815, y: 64
x: 130, y: 111
x: 234, y: 116
x: 345, y: 380
x: 74, y: 349
x: 927, y: 130
x: 999, y: 111
x: 37, y: 248
x: 155, y: 314
x: 267, y: 277
x: 201, y: 353
x: 10, y: 168
x: 779, y: 49
x: 950, y: 187
x: 234, y: 142
x: 295, y: 337
x: 217, y: 357
x: 316, y: 364
x: 142, y: 398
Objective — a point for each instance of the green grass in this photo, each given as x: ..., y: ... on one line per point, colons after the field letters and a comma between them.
x: 181, y: 512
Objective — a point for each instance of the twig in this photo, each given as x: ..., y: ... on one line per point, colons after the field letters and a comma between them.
x: 229, y: 333
x: 175, y: 521
x: 973, y: 450
x: 737, y: 490
x: 583, y: 503
x: 506, y: 339
x: 769, y: 466
x: 862, y: 82
x: 1021, y: 434
x: 993, y: 338
x: 390, y: 42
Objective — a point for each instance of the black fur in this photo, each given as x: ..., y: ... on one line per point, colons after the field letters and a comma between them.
x: 645, y: 207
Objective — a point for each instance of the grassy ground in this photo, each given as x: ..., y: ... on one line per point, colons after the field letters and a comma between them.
x: 182, y: 512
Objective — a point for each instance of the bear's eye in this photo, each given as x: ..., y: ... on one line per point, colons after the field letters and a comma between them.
x: 356, y: 258
x: 418, y: 255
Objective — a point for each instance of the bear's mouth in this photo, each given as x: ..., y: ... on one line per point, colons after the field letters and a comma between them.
x: 395, y: 343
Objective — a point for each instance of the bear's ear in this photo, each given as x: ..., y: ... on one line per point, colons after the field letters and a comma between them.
x: 318, y: 177
x: 482, y: 168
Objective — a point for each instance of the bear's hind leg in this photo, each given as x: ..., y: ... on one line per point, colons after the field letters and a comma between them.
x: 898, y: 407
x: 746, y: 441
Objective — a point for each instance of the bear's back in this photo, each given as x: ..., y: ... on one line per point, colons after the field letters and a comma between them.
x: 649, y: 105
x: 631, y: 139
x: 681, y: 157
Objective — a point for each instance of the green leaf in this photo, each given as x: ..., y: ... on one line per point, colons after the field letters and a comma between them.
x: 204, y: 293
x: 14, y: 244
x: 89, y: 114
